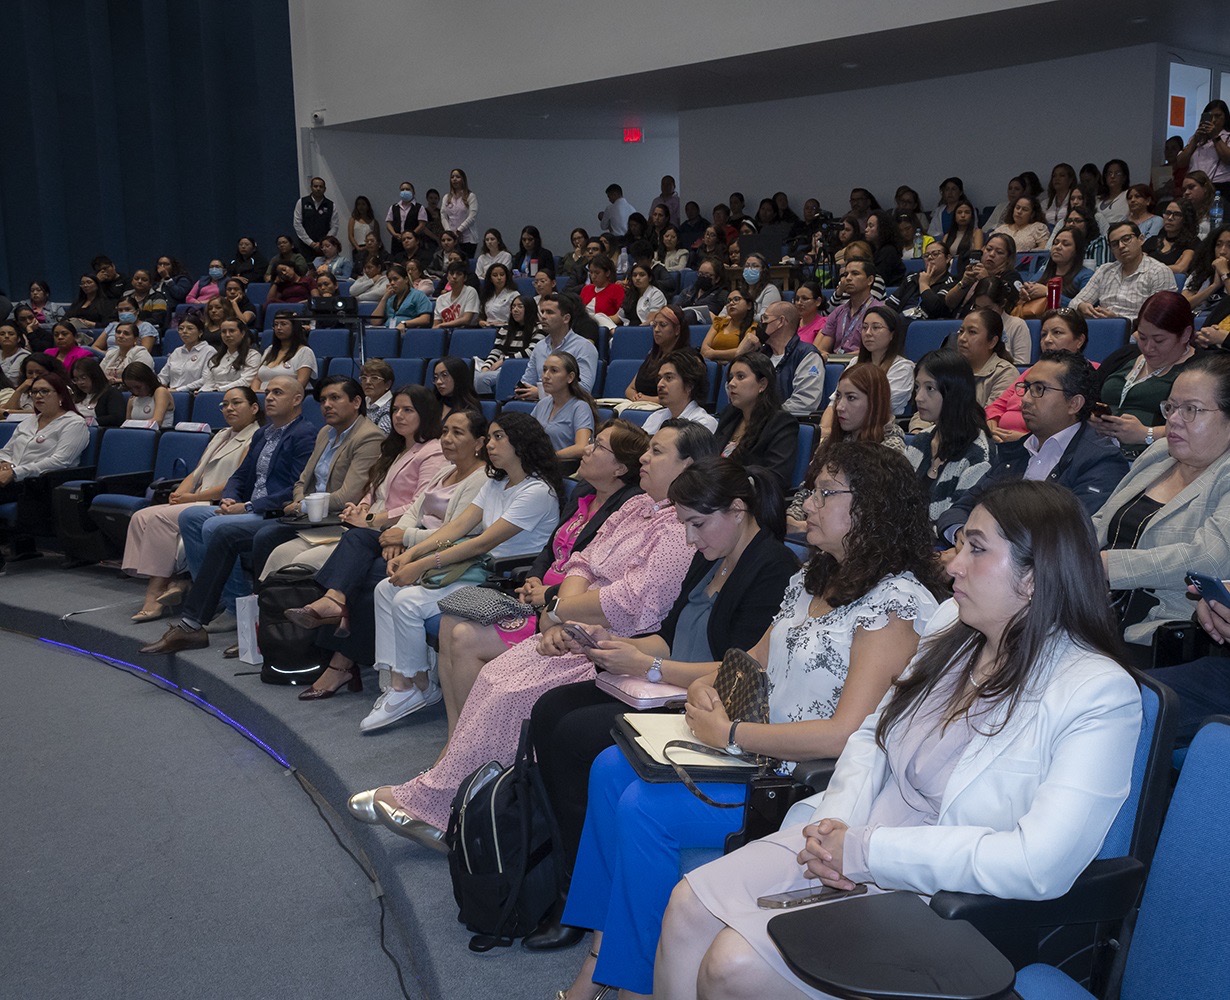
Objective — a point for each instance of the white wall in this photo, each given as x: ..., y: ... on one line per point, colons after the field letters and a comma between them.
x: 982, y: 126
x: 383, y: 57
x: 552, y: 185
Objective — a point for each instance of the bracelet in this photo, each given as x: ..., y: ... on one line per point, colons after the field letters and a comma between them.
x: 441, y: 546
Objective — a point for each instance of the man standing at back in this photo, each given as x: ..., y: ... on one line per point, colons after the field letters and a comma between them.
x: 214, y: 538
x: 614, y: 218
x: 314, y: 219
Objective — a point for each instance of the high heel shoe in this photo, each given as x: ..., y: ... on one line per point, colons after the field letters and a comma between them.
x: 351, y: 681
x: 172, y: 597
x: 149, y: 616
x: 551, y: 933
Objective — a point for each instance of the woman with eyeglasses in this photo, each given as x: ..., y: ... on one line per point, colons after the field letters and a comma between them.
x: 1135, y: 387
x: 51, y: 438
x: 922, y: 294
x: 1176, y: 243
x: 602, y: 294
x: 1171, y: 514
x: 848, y: 623
x: 727, y: 333
x: 609, y: 476
x: 153, y: 548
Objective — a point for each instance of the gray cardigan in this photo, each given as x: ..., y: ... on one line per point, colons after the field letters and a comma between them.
x: 1190, y: 533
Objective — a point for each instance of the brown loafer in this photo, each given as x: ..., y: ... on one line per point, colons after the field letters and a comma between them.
x: 176, y: 638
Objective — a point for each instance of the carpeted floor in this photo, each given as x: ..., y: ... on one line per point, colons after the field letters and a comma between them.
x: 151, y: 850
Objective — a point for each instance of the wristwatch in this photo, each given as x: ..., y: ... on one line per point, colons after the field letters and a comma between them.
x: 654, y: 673
x: 732, y: 747
x: 1148, y: 436
x: 550, y: 607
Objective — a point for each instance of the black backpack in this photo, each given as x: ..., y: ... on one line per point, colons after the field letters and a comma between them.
x: 290, y: 654
x: 502, y: 835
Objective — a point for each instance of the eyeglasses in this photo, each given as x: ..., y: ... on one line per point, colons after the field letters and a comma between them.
x: 41, y: 392
x: 822, y: 495
x: 1123, y: 241
x: 1187, y: 412
x: 596, y: 445
x: 1036, y: 389
x: 231, y: 404
x: 1168, y: 214
x: 372, y: 378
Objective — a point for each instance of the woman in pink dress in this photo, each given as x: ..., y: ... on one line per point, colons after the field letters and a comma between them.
x: 626, y: 580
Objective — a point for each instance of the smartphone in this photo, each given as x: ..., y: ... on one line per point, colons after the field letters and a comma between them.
x: 579, y: 634
x: 803, y: 897
x: 1210, y: 588
x: 1101, y: 409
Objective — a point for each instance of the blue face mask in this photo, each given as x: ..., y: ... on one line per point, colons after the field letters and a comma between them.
x: 751, y: 275
x: 127, y: 317
x: 406, y: 195
x: 216, y: 273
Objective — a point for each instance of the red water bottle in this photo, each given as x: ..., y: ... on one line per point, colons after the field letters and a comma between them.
x: 1054, y: 293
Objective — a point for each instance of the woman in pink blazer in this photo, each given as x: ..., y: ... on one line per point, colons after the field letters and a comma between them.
x: 410, y: 458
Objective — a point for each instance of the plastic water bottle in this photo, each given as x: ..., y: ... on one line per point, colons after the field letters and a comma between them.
x: 1217, y: 213
x: 918, y: 245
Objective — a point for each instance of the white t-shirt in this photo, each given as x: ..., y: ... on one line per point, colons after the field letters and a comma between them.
x: 530, y: 505
x: 305, y: 357
x: 185, y: 367
x: 693, y: 412
x: 448, y: 308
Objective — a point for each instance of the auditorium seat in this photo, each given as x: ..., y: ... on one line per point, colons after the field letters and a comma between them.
x: 924, y: 335
x: 510, y: 374
x: 422, y: 343
x: 329, y: 342
x: 207, y: 409
x: 178, y: 454
x: 471, y: 343
x: 629, y: 342
x: 379, y: 342
x: 407, y: 371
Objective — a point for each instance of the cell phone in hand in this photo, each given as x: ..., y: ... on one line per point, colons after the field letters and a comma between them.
x: 1210, y: 588
x: 580, y: 635
x: 1101, y: 409
x: 804, y: 897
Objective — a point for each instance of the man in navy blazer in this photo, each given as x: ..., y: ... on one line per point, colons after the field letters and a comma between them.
x: 1058, y: 396
x: 215, y: 537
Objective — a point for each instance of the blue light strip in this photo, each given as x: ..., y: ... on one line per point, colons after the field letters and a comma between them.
x: 171, y: 686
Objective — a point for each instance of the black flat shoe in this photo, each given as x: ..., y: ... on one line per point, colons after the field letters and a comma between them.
x: 551, y: 935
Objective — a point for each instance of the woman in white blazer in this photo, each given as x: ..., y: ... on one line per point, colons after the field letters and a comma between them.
x: 996, y: 765
x: 153, y: 546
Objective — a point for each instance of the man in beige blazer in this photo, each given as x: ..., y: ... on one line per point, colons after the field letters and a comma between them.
x: 346, y: 449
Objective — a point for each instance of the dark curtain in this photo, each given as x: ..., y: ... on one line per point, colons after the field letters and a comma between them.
x: 141, y: 127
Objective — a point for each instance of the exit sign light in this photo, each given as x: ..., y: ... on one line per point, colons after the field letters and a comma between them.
x: 633, y: 135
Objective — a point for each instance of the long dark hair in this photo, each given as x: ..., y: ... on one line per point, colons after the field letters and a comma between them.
x: 896, y: 325
x: 769, y: 403
x: 713, y: 484
x: 962, y: 419
x: 1202, y: 264
x: 298, y: 339
x: 967, y: 238
x: 1069, y: 279
x: 575, y: 389
x: 428, y: 408
x: 889, y: 529
x: 93, y: 371
x: 1051, y: 538
x: 241, y: 352
x: 533, y: 449
x: 1189, y: 224
x: 61, y: 388
x: 141, y: 373
x: 464, y: 396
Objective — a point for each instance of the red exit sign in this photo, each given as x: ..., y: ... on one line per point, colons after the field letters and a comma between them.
x: 633, y: 135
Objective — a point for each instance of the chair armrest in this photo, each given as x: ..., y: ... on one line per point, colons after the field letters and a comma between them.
x: 130, y: 483
x: 815, y: 773
x: 1181, y: 642
x: 1106, y: 891
x: 57, y: 477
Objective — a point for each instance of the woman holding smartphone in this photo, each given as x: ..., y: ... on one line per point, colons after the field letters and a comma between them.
x: 848, y: 624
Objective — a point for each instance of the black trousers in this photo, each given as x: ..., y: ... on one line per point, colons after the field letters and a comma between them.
x: 570, y: 726
x: 354, y: 568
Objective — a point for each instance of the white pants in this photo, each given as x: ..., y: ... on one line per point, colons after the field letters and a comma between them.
x: 401, y: 639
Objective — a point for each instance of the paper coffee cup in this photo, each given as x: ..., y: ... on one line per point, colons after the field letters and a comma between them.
x: 317, y: 506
